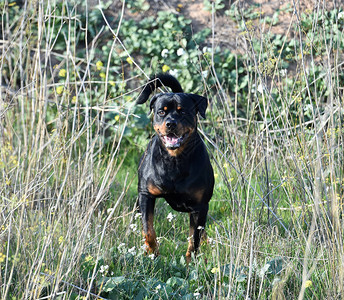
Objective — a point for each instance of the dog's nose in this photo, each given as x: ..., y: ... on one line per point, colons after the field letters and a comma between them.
x: 171, y: 125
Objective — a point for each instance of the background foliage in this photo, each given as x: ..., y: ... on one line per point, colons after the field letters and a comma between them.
x: 71, y: 138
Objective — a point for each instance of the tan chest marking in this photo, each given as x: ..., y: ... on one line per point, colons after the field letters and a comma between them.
x: 153, y: 190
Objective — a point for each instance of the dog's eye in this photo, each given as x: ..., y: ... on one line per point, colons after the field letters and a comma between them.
x: 180, y: 110
x: 161, y: 113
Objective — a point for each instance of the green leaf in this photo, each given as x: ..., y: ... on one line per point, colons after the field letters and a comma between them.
x: 275, y: 266
x: 182, y: 260
x: 272, y: 267
x: 241, y: 278
x: 227, y: 269
x: 193, y: 275
x: 175, y: 282
x: 183, y: 42
x: 239, y: 272
x: 112, y: 282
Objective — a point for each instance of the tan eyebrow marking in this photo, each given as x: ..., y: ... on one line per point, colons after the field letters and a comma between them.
x: 165, y: 107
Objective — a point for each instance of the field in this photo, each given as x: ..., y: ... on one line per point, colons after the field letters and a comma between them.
x: 71, y: 138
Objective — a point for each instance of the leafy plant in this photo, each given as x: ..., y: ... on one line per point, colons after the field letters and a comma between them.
x: 217, y: 4
x: 138, y: 5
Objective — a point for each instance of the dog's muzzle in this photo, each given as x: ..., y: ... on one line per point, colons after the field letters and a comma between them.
x: 172, y: 141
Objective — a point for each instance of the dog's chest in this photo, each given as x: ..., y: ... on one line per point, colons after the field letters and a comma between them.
x: 173, y: 178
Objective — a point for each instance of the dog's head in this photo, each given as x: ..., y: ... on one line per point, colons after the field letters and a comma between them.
x: 175, y: 114
x: 175, y: 117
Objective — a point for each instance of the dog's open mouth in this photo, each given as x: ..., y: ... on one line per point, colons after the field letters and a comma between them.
x: 172, y: 141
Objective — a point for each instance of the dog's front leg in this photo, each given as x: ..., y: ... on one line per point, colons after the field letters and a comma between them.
x: 147, y: 204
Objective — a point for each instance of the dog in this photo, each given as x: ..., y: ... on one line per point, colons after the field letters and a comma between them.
x: 176, y: 164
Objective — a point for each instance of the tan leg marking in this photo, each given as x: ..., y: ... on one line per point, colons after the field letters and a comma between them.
x: 150, y: 237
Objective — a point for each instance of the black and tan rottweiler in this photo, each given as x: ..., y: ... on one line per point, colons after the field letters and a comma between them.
x: 176, y: 164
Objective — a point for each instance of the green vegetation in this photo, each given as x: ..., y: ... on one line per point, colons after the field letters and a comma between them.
x: 71, y: 138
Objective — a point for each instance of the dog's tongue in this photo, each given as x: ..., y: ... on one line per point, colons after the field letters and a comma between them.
x: 171, y: 141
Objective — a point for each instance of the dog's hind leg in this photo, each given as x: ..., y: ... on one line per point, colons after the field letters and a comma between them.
x: 197, y: 230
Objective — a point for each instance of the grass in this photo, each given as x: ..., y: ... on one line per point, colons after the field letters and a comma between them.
x: 70, y: 146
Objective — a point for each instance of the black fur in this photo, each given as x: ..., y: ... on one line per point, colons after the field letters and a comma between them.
x: 176, y: 164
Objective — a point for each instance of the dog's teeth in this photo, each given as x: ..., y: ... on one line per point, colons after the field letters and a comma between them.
x: 172, y: 141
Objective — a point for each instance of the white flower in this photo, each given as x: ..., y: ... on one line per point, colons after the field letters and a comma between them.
x: 133, y: 227
x: 180, y: 51
x: 197, y: 294
x: 132, y: 251
x: 211, y: 242
x: 200, y: 227
x: 260, y: 89
x: 151, y: 256
x: 205, y: 73
x: 158, y: 287
x: 103, y: 269
x: 283, y: 72
x: 121, y: 247
x: 164, y: 53
x: 138, y: 215
x: 207, y: 50
x: 341, y: 15
x: 170, y: 217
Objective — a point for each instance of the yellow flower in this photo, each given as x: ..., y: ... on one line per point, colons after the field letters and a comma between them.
x: 46, y: 270
x: 88, y: 258
x: 214, y: 270
x: 2, y: 257
x: 165, y: 68
x: 99, y: 65
x: 62, y: 73
x: 59, y: 90
x: 130, y: 60
x: 117, y: 118
x: 216, y: 175
x: 13, y: 160
x: 112, y: 83
x: 102, y: 75
x: 61, y: 239
x: 308, y: 283
x: 74, y: 99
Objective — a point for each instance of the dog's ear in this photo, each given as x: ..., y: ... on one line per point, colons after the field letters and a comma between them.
x: 152, y: 101
x: 148, y: 89
x: 201, y: 104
